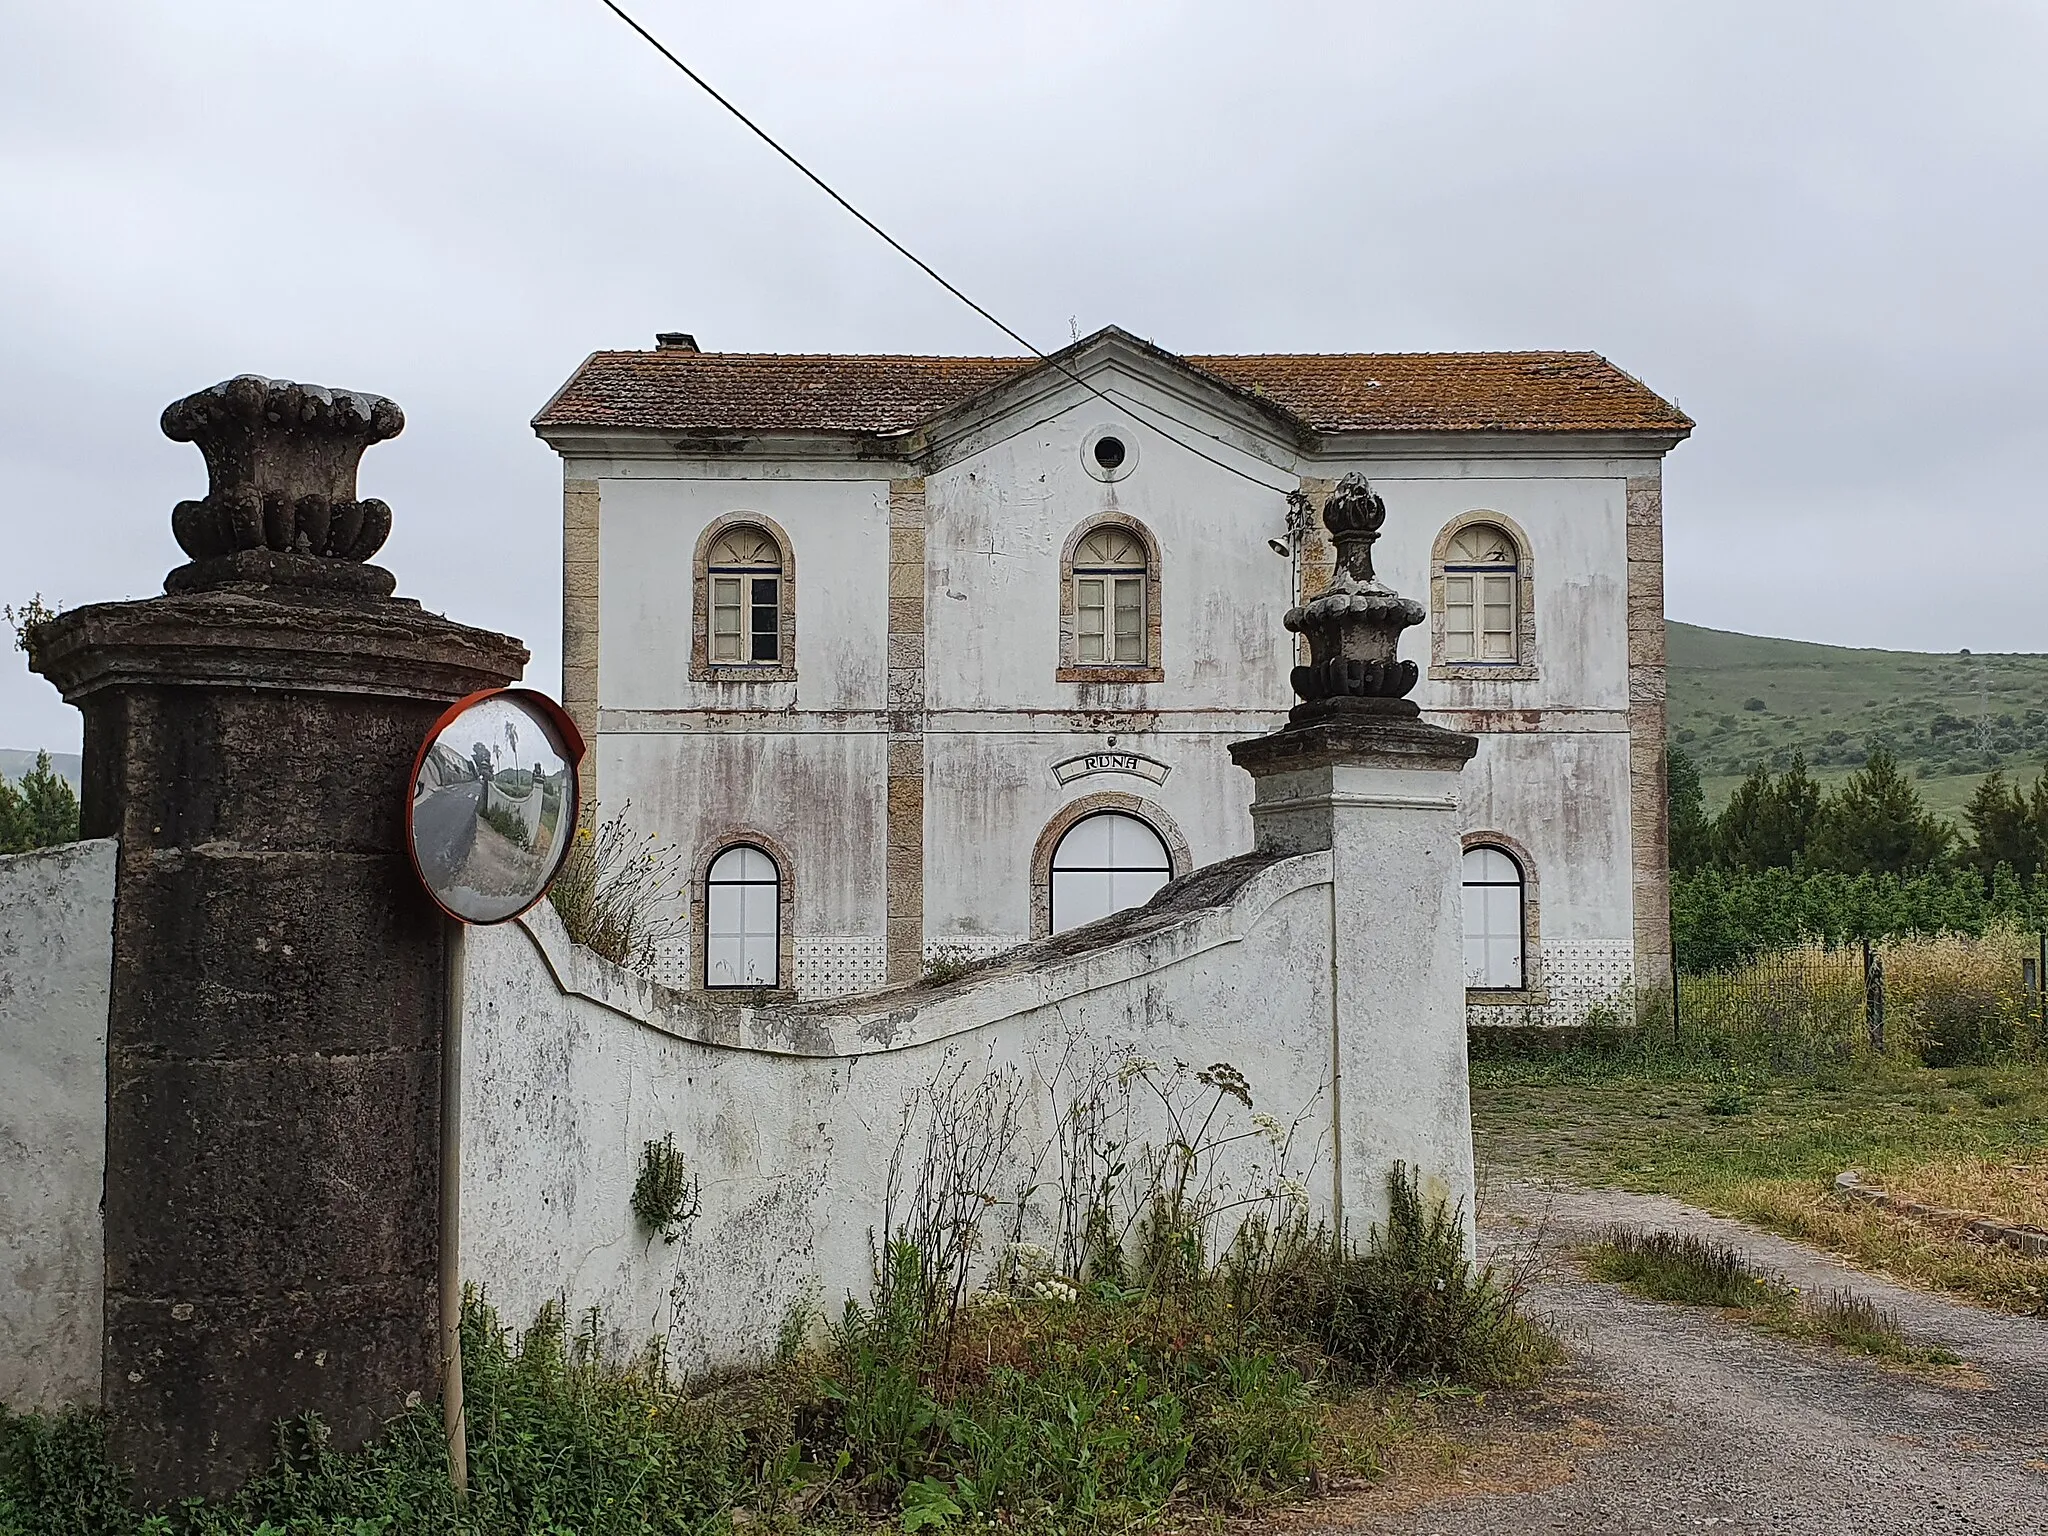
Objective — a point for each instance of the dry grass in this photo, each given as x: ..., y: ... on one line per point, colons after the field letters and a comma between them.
x: 1958, y: 999
x: 1389, y: 1451
x: 1894, y: 1245
x: 2015, y: 1193
x: 1950, y: 999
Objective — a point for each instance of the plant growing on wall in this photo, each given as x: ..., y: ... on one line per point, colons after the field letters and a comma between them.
x: 666, y: 1194
x: 619, y: 894
x: 28, y: 618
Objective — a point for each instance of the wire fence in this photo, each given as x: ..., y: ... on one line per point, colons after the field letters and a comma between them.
x: 1943, y: 999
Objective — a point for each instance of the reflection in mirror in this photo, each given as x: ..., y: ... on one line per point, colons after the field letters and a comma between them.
x: 493, y: 809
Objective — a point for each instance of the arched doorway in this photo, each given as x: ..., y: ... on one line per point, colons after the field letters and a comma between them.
x: 1103, y: 864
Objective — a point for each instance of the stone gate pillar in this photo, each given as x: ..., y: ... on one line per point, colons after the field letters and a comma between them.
x: 1356, y: 771
x: 274, y: 1033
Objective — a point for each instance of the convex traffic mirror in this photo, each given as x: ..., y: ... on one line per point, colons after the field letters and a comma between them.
x: 492, y: 807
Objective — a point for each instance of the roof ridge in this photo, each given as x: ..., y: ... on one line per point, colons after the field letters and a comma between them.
x: 1023, y: 359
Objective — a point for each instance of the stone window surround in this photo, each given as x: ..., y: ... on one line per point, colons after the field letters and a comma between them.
x: 1523, y: 668
x: 785, y: 914
x: 1071, y: 668
x: 702, y: 669
x: 1532, y: 990
x: 1178, y: 856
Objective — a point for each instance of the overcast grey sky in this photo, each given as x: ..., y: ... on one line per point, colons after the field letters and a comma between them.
x: 1818, y: 226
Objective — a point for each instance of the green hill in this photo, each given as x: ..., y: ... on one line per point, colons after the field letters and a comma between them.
x: 1738, y: 701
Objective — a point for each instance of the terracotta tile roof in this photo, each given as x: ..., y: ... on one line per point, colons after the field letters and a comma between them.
x: 1452, y: 391
x: 1346, y: 392
x: 769, y: 392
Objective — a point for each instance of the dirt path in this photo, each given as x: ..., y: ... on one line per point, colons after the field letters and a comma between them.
x: 1697, y: 1422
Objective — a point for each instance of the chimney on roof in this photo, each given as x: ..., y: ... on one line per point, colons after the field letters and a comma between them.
x: 674, y: 341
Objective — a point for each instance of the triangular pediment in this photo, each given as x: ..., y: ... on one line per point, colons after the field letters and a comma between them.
x: 1114, y: 370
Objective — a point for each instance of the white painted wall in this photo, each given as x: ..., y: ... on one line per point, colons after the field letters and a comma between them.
x: 790, y: 1116
x: 56, y: 960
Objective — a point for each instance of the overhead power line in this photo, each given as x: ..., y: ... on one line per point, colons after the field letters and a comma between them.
x: 1125, y: 404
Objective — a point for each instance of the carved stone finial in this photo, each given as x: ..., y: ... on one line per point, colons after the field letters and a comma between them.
x: 1354, y: 512
x: 1354, y: 626
x: 281, y: 507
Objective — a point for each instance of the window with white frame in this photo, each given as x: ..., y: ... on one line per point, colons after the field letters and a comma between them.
x: 743, y: 919
x: 745, y: 617
x: 1493, y: 920
x: 1103, y: 864
x: 1481, y: 603
x: 1110, y: 599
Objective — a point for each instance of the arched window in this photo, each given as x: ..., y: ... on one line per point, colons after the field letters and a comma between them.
x: 1109, y: 604
x: 1105, y: 863
x: 1493, y: 920
x: 743, y: 920
x: 744, y: 605
x: 1110, y: 599
x: 745, y: 572
x: 1481, y: 606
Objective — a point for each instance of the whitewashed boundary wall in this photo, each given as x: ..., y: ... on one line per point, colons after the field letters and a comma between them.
x: 790, y: 1115
x: 56, y: 962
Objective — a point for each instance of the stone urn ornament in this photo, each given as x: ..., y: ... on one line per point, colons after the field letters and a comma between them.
x: 281, y: 508
x: 1354, y: 625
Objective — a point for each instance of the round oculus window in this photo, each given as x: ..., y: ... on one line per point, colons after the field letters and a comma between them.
x: 1109, y: 452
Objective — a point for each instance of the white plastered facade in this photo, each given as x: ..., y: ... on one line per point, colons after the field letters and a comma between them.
x: 1004, y: 485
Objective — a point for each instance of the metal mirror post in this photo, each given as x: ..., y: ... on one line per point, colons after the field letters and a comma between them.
x: 490, y: 816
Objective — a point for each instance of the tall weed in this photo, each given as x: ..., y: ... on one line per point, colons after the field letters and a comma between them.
x: 1412, y: 1304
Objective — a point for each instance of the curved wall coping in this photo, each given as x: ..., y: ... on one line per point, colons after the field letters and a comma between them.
x: 1204, y: 910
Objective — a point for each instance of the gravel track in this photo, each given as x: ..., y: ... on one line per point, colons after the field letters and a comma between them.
x: 1704, y: 1423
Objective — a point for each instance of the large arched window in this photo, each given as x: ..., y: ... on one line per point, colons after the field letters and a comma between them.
x: 743, y: 920
x: 1494, y: 930
x: 1109, y: 604
x: 1105, y: 863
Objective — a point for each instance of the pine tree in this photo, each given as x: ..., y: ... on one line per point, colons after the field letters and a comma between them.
x: 39, y: 812
x: 13, y: 820
x: 2005, y: 828
x: 1768, y: 822
x: 1691, y: 830
x: 1875, y: 824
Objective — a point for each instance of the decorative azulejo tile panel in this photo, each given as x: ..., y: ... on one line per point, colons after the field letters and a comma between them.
x: 833, y: 965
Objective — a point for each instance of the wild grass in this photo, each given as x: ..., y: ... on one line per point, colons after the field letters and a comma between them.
x: 1848, y: 1321
x: 1411, y: 1305
x: 1886, y: 1243
x: 1970, y: 1137
x: 561, y: 1440
x: 1682, y: 1267
x: 948, y: 963
x: 1690, y: 1270
x: 1177, y: 1364
x: 1950, y: 1000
